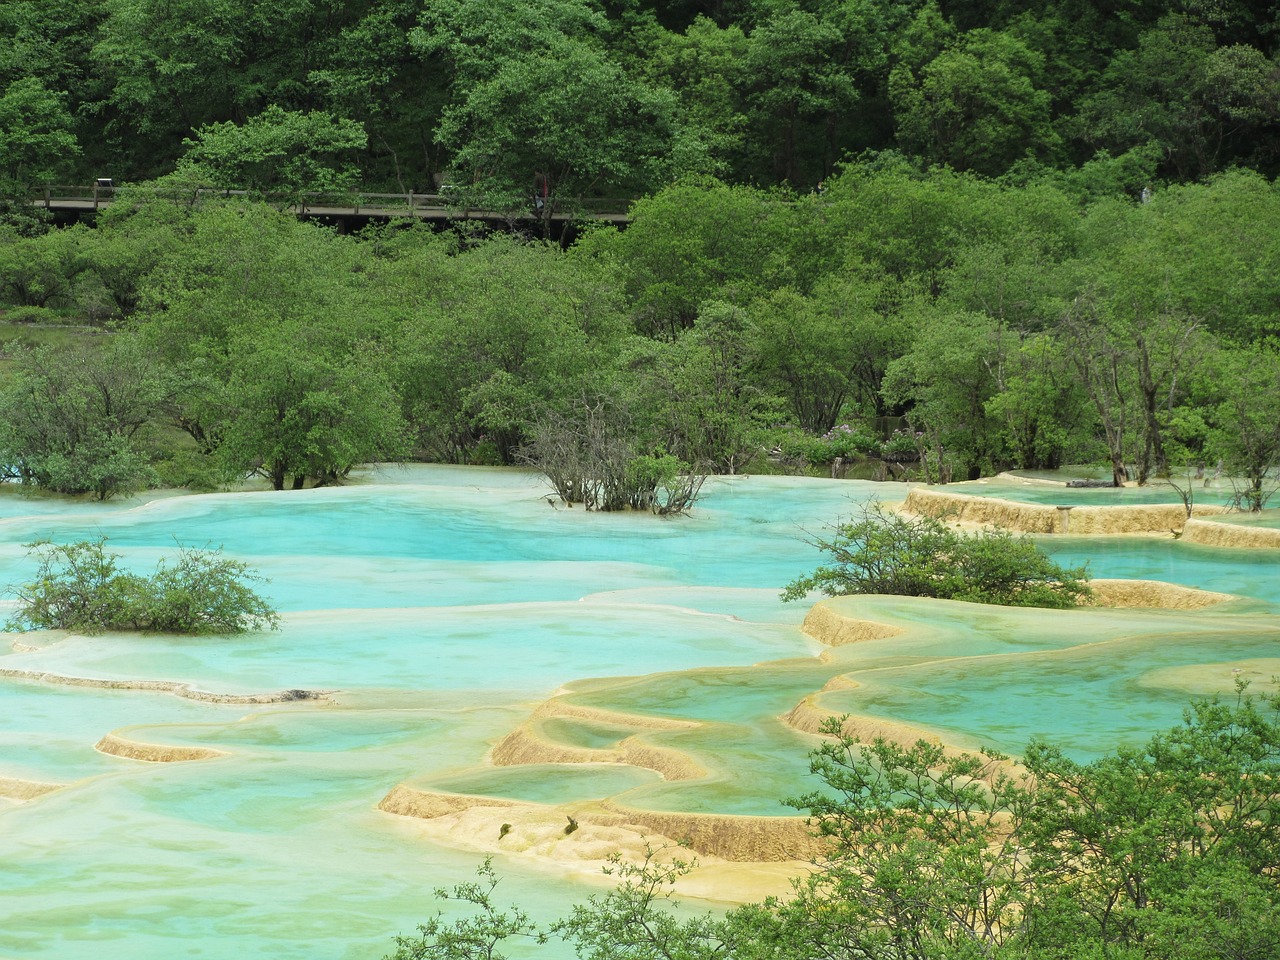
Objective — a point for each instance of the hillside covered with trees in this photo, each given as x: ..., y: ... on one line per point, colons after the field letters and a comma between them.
x: 619, y: 97
x: 1007, y: 326
x: 954, y: 237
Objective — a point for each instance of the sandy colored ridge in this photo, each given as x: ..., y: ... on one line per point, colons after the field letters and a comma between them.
x: 1154, y: 594
x: 835, y: 630
x: 524, y: 746
x: 807, y: 717
x: 1230, y: 535
x: 184, y: 690
x: 20, y: 791
x: 527, y: 745
x: 1150, y: 518
x: 153, y: 752
x: 603, y: 829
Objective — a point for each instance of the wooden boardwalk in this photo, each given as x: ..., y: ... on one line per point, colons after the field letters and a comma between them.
x: 360, y: 206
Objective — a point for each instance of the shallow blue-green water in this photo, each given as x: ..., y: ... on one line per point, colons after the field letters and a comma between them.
x: 440, y: 606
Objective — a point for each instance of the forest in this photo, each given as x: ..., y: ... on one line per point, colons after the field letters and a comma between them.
x: 949, y: 239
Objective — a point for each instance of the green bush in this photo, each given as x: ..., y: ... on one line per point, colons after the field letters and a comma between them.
x: 845, y: 442
x: 79, y: 586
x: 922, y: 557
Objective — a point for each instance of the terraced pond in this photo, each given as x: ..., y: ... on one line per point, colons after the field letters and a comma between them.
x: 445, y: 613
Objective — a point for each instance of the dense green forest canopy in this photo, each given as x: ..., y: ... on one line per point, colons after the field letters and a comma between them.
x: 943, y: 324
x: 954, y: 238
x: 619, y: 97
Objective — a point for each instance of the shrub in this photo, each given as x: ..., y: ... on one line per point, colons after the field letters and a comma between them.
x: 79, y: 586
x: 922, y: 557
x: 847, y: 443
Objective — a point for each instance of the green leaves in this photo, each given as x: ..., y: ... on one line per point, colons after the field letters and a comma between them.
x: 284, y: 154
x: 888, y: 553
x: 79, y: 586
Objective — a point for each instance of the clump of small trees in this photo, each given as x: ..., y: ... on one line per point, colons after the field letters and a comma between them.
x: 80, y: 586
x: 885, y: 552
x: 591, y: 457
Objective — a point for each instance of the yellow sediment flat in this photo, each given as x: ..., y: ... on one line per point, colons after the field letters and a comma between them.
x: 807, y: 717
x: 153, y: 752
x: 835, y: 630
x: 1153, y: 594
x: 1045, y: 518
x: 604, y: 829
x: 183, y: 690
x: 20, y: 791
x: 1205, y: 679
x: 1230, y: 535
x: 526, y: 745
x: 560, y: 707
x: 538, y: 832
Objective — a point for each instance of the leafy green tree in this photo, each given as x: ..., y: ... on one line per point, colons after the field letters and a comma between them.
x: 944, y: 382
x: 925, y: 857
x: 1132, y: 335
x: 80, y: 586
x: 827, y: 350
x: 802, y: 91
x: 297, y: 411
x: 222, y: 311
x: 37, y: 143
x: 1202, y: 104
x: 1157, y: 851
x: 695, y: 396
x: 696, y: 241
x: 706, y: 67
x: 41, y: 270
x: 1246, y: 420
x: 977, y: 106
x: 73, y: 420
x: 371, y: 73
x: 922, y: 557
x: 1044, y: 414
x: 283, y: 154
x: 1125, y: 844
x: 478, y: 937
x: 541, y: 114
x: 495, y: 337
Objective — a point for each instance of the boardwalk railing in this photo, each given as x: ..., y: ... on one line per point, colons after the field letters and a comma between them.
x: 446, y: 205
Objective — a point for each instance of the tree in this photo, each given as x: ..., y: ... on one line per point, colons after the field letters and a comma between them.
x: 72, y: 420
x: 282, y: 154
x: 888, y: 553
x: 925, y: 858
x: 36, y: 143
x: 694, y: 396
x: 1199, y: 102
x: 944, y: 382
x: 1143, y: 847
x: 1042, y: 409
x: 80, y: 586
x: 1162, y: 850
x: 695, y: 241
x: 802, y: 87
x: 297, y: 411
x: 1246, y: 420
x: 494, y: 338
x: 1131, y: 336
x: 542, y: 116
x: 594, y: 455
x: 977, y: 106
x: 707, y: 68
x: 827, y: 349
x: 41, y: 270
